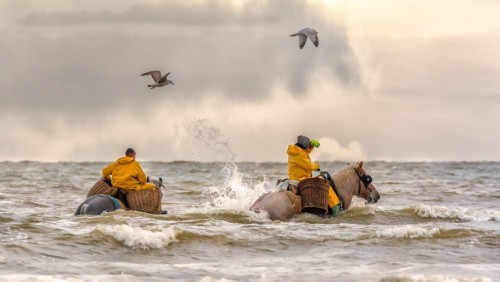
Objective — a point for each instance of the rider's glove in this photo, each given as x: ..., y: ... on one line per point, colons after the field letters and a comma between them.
x: 318, y: 169
x: 315, y: 143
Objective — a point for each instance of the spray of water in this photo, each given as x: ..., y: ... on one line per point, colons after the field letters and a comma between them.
x: 205, y: 142
x: 235, y: 194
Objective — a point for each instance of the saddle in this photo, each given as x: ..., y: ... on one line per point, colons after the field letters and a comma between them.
x: 288, y: 185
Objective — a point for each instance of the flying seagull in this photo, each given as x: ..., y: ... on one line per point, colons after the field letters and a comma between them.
x: 304, y: 33
x: 159, y: 80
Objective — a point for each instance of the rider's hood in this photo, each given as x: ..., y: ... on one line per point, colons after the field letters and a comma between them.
x: 294, y: 150
x: 125, y: 160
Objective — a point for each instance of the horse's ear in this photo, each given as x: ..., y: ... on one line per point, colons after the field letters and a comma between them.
x: 161, y: 180
x: 358, y: 167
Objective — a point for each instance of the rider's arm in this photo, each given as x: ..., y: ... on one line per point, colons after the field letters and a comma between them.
x: 106, y: 172
x: 141, y: 176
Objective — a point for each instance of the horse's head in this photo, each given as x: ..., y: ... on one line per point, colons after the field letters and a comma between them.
x: 157, y: 182
x: 366, y: 188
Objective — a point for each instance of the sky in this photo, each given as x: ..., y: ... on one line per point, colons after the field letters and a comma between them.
x: 415, y: 80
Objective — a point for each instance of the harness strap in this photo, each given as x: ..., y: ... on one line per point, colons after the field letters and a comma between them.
x: 334, y: 187
x: 332, y: 183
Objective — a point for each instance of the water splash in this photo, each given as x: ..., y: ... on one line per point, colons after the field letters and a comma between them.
x: 235, y: 194
x: 205, y: 142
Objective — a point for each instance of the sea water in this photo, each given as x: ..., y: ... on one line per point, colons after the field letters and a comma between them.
x: 433, y: 222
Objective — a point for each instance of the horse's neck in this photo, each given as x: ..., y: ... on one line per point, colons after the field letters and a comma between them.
x: 346, y: 183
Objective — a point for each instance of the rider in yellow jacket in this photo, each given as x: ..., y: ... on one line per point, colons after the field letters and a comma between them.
x: 127, y: 173
x: 300, y: 167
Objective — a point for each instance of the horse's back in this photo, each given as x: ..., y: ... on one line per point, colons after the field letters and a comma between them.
x: 277, y: 204
x: 97, y: 204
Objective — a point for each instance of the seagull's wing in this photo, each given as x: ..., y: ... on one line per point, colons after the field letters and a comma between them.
x: 314, y: 38
x: 163, y: 78
x: 302, y: 40
x: 155, y: 74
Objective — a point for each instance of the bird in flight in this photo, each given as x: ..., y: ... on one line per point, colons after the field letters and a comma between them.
x: 159, y: 80
x: 304, y: 34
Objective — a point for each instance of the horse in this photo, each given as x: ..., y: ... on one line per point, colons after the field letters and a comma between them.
x: 350, y: 181
x: 97, y: 204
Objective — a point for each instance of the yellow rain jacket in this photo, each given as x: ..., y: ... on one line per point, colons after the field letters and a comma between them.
x: 126, y: 173
x: 299, y: 163
x: 301, y: 167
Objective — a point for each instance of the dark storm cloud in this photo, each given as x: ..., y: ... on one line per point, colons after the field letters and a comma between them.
x: 175, y: 12
x: 89, y: 73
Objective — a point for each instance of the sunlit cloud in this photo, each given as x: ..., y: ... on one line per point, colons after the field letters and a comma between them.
x: 393, y: 80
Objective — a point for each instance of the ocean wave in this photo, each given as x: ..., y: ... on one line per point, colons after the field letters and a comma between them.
x: 137, y: 237
x: 66, y: 278
x: 408, y: 231
x: 461, y: 213
x: 432, y: 278
x: 210, y: 279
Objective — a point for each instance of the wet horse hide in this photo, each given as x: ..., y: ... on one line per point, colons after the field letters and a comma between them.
x: 311, y: 195
x: 103, y: 197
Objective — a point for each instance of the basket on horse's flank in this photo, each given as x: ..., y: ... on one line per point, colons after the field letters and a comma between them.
x: 314, y: 194
x: 102, y: 187
x: 148, y: 200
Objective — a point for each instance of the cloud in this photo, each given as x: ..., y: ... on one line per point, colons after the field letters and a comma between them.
x: 72, y: 90
x: 175, y: 12
x: 242, y: 58
x: 331, y: 150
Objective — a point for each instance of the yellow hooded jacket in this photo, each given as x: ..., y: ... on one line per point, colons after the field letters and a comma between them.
x: 301, y: 167
x: 126, y: 173
x: 299, y: 163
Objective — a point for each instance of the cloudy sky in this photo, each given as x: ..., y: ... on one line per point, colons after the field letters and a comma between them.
x: 415, y: 80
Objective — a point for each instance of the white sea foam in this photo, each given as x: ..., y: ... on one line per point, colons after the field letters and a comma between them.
x: 210, y: 279
x: 14, y: 237
x: 65, y: 278
x: 137, y: 237
x: 467, y: 214
x: 432, y: 278
x: 235, y: 194
x: 408, y: 231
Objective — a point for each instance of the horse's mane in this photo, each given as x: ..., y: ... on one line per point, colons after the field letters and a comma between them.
x: 342, y: 176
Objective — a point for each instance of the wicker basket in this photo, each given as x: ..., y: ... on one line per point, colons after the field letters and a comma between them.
x: 314, y: 195
x: 102, y: 187
x: 148, y: 200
